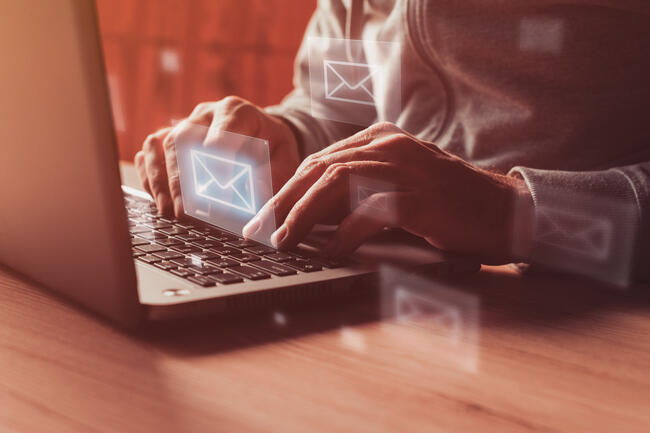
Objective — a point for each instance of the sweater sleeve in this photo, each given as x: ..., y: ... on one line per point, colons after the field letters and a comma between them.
x: 313, y: 134
x: 595, y: 223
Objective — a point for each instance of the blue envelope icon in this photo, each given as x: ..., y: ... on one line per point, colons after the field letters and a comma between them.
x: 223, y: 181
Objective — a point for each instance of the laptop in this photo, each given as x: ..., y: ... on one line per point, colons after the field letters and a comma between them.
x: 68, y: 223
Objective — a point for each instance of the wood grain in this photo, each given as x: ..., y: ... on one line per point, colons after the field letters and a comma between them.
x: 555, y: 354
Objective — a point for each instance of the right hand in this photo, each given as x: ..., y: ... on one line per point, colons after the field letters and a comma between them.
x: 157, y: 165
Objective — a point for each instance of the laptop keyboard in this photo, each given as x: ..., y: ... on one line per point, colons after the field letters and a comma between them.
x: 209, y: 256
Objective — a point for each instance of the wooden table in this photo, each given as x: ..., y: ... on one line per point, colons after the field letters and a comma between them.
x: 554, y: 354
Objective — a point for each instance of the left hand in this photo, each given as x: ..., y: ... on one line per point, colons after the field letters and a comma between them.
x: 437, y: 196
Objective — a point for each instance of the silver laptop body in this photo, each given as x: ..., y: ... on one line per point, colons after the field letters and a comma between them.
x: 62, y: 218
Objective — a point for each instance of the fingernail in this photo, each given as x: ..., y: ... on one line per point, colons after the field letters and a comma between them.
x: 279, y: 236
x: 252, y: 227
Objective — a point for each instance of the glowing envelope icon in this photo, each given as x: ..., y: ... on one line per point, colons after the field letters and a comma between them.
x: 415, y: 309
x: 223, y: 181
x: 349, y: 82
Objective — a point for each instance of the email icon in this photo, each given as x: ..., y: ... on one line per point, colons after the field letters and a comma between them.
x: 223, y: 181
x: 589, y: 236
x: 418, y: 310
x: 349, y: 81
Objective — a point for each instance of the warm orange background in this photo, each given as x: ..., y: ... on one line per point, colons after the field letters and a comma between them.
x: 165, y: 56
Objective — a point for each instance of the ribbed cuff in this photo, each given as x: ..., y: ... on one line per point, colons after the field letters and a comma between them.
x: 585, y: 222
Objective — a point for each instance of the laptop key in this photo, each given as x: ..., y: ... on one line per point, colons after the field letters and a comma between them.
x: 151, y: 248
x: 135, y: 242
x: 137, y: 253
x: 303, y: 265
x: 184, y: 261
x: 204, y: 255
x: 279, y: 257
x: 139, y: 229
x: 274, y: 268
x: 151, y: 236
x: 222, y: 237
x: 223, y: 262
x: 180, y: 272
x: 261, y: 250
x: 207, y: 243
x: 171, y: 231
x: 158, y: 225
x: 168, y: 255
x: 226, y: 278
x: 202, y: 281
x: 149, y: 259
x: 224, y: 251
x: 250, y: 273
x: 168, y: 242
x: 188, y: 237
x: 241, y: 243
x: 186, y: 248
x: 165, y: 265
x: 244, y: 258
x: 203, y: 270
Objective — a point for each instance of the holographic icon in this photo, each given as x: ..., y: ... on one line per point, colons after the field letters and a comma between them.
x: 541, y: 35
x: 223, y: 181
x: 590, y: 236
x: 364, y: 193
x: 414, y: 309
x: 349, y: 82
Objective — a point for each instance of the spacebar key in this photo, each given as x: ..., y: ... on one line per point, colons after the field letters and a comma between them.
x: 248, y: 272
x: 274, y: 268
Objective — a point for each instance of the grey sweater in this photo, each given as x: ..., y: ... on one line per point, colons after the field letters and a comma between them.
x: 557, y: 91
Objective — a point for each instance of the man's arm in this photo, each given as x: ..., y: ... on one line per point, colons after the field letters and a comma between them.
x: 595, y: 223
x: 313, y: 134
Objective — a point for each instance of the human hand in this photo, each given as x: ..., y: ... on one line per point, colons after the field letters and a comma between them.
x: 437, y: 196
x: 157, y: 164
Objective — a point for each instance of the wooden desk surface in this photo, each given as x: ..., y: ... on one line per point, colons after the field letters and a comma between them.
x: 554, y: 354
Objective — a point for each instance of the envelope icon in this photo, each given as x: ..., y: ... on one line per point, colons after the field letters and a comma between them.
x: 587, y: 235
x: 363, y: 193
x: 223, y: 181
x: 349, y: 82
x: 419, y: 310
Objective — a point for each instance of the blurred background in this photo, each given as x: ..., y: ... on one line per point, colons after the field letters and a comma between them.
x: 165, y: 56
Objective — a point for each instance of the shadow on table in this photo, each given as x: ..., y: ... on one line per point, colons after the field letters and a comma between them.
x: 507, y: 299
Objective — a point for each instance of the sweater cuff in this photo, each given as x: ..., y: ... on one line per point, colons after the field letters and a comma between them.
x: 585, y: 222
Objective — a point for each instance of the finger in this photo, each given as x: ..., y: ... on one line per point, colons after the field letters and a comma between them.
x: 323, y: 198
x: 142, y: 172
x: 364, y: 221
x: 235, y: 116
x: 361, y: 138
x: 184, y: 133
x: 295, y: 188
x: 156, y: 171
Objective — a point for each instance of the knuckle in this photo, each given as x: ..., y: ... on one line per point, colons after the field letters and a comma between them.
x: 389, y: 141
x: 243, y: 109
x: 230, y: 102
x: 151, y: 142
x: 336, y: 171
x: 384, y: 127
x: 310, y: 164
x: 202, y: 107
x: 138, y: 159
